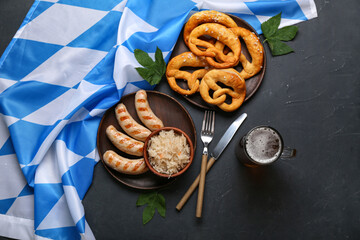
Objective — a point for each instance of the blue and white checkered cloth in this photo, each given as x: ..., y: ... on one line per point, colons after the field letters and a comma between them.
x: 69, y: 62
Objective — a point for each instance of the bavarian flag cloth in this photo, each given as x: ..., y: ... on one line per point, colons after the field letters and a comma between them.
x: 67, y: 64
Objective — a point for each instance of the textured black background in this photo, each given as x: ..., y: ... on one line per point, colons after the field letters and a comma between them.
x: 312, y: 97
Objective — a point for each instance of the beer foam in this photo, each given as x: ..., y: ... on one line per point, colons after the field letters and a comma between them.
x: 263, y: 145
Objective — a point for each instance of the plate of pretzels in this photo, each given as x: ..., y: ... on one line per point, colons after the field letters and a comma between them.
x: 218, y: 61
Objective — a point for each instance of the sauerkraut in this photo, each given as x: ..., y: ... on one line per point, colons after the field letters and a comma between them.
x: 168, y: 152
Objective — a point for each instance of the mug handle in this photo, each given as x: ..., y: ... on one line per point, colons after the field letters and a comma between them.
x: 288, y: 152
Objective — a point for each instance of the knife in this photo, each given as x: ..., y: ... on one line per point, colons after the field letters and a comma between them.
x: 224, y: 141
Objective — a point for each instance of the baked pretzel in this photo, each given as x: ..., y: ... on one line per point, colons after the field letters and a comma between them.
x: 255, y: 48
x: 228, y: 77
x: 222, y: 34
x: 173, y: 72
x: 207, y: 17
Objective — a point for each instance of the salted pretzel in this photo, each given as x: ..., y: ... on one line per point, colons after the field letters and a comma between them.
x: 236, y: 88
x: 222, y: 34
x: 173, y: 72
x: 207, y: 17
x: 255, y: 48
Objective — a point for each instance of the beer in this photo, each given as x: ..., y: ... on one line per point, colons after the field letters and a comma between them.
x: 263, y: 145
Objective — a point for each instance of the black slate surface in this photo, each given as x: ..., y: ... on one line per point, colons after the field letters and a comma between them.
x: 312, y: 97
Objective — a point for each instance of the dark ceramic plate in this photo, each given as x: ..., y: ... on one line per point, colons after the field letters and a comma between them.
x: 170, y: 111
x: 252, y: 84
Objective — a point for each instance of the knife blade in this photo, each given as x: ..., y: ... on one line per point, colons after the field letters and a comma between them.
x: 228, y: 135
x: 215, y: 154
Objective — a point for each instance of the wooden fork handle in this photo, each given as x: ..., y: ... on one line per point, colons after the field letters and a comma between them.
x: 200, y: 199
x: 193, y: 186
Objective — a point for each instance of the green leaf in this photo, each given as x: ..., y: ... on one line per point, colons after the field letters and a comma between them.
x: 279, y: 48
x: 286, y: 33
x: 148, y: 214
x: 145, y: 198
x: 270, y: 26
x: 160, y: 205
x: 160, y: 61
x: 152, y: 71
x: 275, y: 36
x: 143, y: 58
x: 154, y: 201
x: 144, y: 73
x: 154, y: 79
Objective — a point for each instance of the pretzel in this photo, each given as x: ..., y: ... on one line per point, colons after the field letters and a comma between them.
x: 173, y: 72
x: 222, y: 34
x: 255, y: 49
x: 228, y: 77
x: 206, y: 17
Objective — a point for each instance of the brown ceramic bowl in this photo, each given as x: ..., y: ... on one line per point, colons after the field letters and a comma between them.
x: 177, y: 131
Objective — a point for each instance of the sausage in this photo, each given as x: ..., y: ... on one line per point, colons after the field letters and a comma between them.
x: 129, y: 125
x: 146, y: 115
x: 124, y: 143
x: 124, y: 165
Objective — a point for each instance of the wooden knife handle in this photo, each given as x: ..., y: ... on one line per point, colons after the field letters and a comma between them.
x: 200, y: 199
x: 193, y: 186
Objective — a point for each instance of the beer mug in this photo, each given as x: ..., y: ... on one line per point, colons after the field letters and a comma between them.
x: 262, y: 145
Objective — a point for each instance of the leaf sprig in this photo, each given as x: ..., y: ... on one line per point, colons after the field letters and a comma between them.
x: 275, y: 36
x: 152, y: 71
x: 154, y: 200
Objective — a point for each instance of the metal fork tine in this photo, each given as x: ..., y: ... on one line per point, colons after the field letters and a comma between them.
x: 213, y: 122
x: 208, y: 120
x: 204, y: 121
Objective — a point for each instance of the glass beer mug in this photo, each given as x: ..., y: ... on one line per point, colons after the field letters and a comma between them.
x: 262, y: 145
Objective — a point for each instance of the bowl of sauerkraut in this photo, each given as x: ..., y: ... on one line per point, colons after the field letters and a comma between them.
x: 168, y: 152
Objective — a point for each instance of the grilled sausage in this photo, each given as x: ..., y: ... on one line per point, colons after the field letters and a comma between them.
x: 129, y: 125
x: 124, y: 165
x: 146, y: 115
x: 124, y: 143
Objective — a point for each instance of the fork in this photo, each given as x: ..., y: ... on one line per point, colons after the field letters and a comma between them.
x: 207, y: 134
